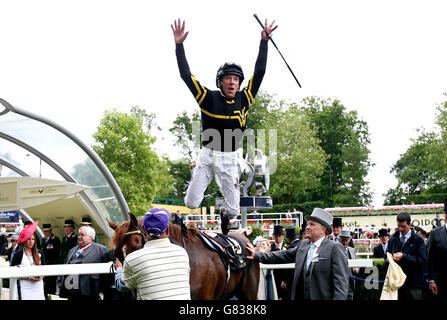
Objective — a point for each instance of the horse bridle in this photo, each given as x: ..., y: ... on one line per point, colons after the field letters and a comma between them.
x: 139, y: 231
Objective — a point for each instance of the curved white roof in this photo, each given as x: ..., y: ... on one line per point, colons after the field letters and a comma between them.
x: 33, y: 146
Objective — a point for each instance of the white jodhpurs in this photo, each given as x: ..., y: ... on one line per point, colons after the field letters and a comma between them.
x: 222, y: 165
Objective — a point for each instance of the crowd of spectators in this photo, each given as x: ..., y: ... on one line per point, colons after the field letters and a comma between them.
x: 25, y: 249
x: 421, y: 255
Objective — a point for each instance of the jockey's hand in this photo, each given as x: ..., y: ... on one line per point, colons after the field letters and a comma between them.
x: 118, y: 264
x: 250, y: 251
x: 268, y: 29
x: 179, y: 31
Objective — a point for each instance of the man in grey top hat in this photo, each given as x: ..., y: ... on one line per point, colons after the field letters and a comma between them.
x: 345, y: 237
x: 50, y: 246
x: 321, y: 267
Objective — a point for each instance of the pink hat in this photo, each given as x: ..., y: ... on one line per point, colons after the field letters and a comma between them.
x: 27, y: 232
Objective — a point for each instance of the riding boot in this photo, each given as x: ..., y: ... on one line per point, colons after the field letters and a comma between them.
x: 225, y: 222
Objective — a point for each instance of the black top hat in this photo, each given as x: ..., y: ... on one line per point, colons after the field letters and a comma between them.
x: 69, y: 223
x: 277, y: 230
x: 46, y: 227
x: 336, y: 222
x: 291, y: 232
x: 86, y: 220
x: 383, y: 232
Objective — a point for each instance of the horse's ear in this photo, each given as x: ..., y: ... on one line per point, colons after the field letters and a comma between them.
x: 133, y: 219
x: 112, y: 225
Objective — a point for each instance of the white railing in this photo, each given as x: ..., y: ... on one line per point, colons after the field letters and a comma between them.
x: 252, y: 218
x: 14, y: 273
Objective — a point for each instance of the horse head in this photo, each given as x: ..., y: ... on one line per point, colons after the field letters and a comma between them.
x: 129, y: 236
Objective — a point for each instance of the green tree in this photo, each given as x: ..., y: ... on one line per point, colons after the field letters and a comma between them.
x: 438, y: 154
x: 345, y: 139
x: 300, y: 159
x: 421, y: 170
x: 123, y: 141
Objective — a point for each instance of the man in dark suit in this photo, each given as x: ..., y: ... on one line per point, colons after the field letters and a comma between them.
x: 336, y: 228
x: 345, y: 238
x: 321, y: 267
x: 68, y: 241
x: 292, y: 238
x: 279, y: 275
x: 437, y: 259
x: 408, y: 250
x: 84, y: 287
x: 51, y: 247
x: 381, y: 248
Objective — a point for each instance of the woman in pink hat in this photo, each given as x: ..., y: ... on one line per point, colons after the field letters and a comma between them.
x: 29, y: 288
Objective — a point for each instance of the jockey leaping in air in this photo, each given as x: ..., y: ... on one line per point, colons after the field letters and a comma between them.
x: 224, y: 114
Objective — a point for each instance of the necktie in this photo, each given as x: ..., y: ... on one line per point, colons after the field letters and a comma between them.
x: 278, y: 247
x: 310, y: 254
x: 347, y: 253
x: 336, y: 239
x: 402, y: 240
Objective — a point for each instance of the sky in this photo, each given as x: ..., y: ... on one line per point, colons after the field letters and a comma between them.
x: 69, y: 61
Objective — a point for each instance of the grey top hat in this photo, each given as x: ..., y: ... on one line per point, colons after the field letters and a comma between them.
x: 321, y: 216
x: 345, y: 234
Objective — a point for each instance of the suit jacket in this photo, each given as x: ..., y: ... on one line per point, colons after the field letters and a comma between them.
x: 68, y: 242
x: 378, y: 251
x: 413, y: 262
x: 326, y: 279
x: 437, y: 258
x: 51, y: 249
x: 280, y: 275
x: 89, y: 284
x: 289, y: 272
x: 351, y: 255
x: 18, y: 255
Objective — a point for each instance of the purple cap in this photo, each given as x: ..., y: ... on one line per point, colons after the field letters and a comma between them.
x: 156, y: 221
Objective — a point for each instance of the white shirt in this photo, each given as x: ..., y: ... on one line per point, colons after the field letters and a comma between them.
x: 407, y: 236
x: 318, y: 242
x: 279, y: 245
x: 317, y: 246
x: 159, y: 271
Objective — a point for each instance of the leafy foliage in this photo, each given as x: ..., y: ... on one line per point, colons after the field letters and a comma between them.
x: 345, y: 140
x: 123, y: 141
x: 421, y: 171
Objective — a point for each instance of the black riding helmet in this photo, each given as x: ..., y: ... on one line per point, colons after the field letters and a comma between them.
x: 229, y: 68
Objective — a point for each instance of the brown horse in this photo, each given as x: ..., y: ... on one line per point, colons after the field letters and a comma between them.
x: 208, y: 276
